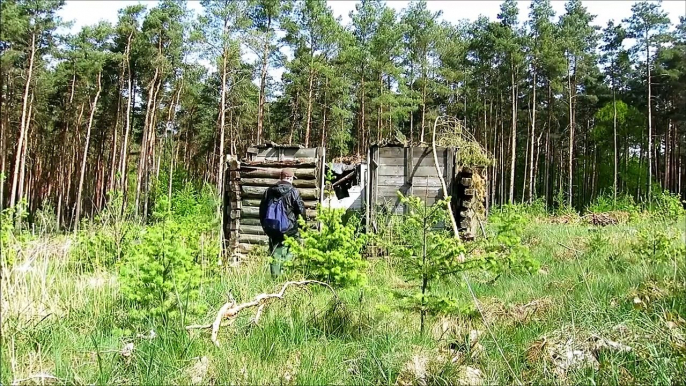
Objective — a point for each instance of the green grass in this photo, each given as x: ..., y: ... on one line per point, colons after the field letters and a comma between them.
x: 73, y: 324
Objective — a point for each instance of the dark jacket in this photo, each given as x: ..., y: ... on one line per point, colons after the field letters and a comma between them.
x: 293, y: 205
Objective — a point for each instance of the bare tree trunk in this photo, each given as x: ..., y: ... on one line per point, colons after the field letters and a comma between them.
x: 570, y: 170
x: 363, y: 119
x: 533, y: 137
x: 24, y: 124
x: 263, y: 83
x: 324, y: 107
x: 514, y: 139
x: 650, y: 123
x: 3, y: 146
x: 222, y: 124
x: 85, y: 154
x: 668, y: 140
x: 614, y: 137
x: 525, y: 180
x: 111, y: 182
x: 309, y: 107
x: 421, y: 137
x: 294, y: 118
x: 142, y: 159
x: 22, y: 167
x: 123, y: 168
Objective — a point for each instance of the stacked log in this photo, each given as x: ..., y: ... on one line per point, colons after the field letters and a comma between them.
x: 249, y: 180
x: 470, y: 198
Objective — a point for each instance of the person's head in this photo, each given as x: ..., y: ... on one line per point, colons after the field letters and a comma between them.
x: 287, y: 175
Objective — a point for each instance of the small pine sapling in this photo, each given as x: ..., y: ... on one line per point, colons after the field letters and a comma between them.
x: 160, y: 276
x: 428, y: 253
x: 334, y: 253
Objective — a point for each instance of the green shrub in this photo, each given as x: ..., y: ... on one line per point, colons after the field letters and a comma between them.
x: 506, y: 250
x: 159, y: 276
x: 11, y: 237
x: 102, y: 242
x: 657, y: 245
x: 666, y: 206
x: 605, y: 203
x: 333, y: 254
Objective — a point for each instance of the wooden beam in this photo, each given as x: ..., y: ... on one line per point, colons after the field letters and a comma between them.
x: 254, y: 212
x: 258, y: 192
x: 310, y: 204
x: 253, y: 239
x: 299, y: 163
x: 256, y: 172
x: 252, y: 230
x: 273, y: 181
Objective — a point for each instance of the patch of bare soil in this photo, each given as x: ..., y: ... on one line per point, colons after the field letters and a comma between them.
x: 198, y: 372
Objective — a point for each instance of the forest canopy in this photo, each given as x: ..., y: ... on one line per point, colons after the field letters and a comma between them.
x: 568, y: 110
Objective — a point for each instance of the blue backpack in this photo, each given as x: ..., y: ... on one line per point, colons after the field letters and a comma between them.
x: 275, y: 219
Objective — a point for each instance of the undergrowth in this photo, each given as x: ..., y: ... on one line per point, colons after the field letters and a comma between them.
x: 114, y: 310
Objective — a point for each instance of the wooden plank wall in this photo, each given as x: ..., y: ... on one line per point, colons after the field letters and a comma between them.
x: 409, y: 170
x: 252, y: 177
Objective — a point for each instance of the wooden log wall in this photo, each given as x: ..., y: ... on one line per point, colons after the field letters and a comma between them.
x: 251, y: 178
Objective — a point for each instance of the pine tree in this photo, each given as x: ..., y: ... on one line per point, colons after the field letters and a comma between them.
x: 647, y: 25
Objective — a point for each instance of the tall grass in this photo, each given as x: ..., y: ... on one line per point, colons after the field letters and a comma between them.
x: 73, y: 324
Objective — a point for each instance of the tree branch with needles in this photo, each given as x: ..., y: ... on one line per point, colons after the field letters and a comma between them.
x: 228, y: 313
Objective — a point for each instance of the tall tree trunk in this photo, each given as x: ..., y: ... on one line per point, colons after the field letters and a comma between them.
x: 614, y: 137
x: 3, y: 146
x: 502, y: 151
x: 143, y: 156
x: 421, y: 138
x: 22, y: 167
x: 94, y: 106
x: 124, y: 157
x: 222, y: 124
x: 294, y: 119
x: 570, y: 180
x: 263, y: 82
x: 363, y: 119
x: 525, y: 180
x: 309, y: 106
x: 324, y: 107
x: 111, y: 182
x: 668, y: 140
x: 24, y: 124
x: 650, y: 123
x: 514, y: 138
x: 533, y: 137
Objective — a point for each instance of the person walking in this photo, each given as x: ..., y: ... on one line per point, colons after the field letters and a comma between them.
x: 279, y: 211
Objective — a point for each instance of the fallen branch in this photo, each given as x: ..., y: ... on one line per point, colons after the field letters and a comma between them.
x: 230, y: 310
x: 41, y: 376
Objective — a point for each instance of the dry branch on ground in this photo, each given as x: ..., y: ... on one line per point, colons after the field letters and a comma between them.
x: 229, y: 311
